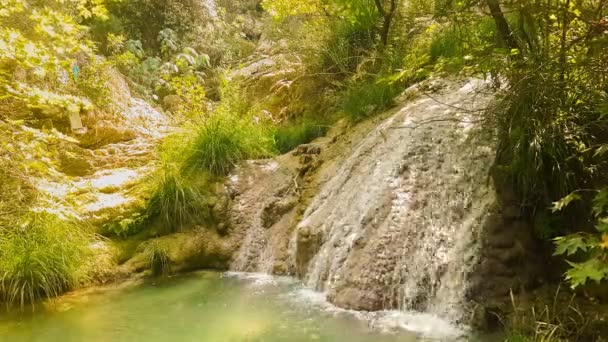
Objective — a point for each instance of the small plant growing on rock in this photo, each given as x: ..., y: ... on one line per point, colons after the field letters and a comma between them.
x: 158, y: 259
x: 176, y: 200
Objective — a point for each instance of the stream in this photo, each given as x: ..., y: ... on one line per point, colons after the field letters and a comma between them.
x: 209, y: 306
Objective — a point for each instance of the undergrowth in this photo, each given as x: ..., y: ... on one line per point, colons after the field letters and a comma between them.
x: 556, y: 319
x: 177, y: 200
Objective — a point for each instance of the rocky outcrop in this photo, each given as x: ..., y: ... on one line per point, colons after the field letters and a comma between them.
x: 265, y: 209
x: 398, y: 213
x: 511, y: 262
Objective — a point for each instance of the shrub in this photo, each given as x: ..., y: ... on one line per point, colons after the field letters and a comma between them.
x: 40, y: 259
x: 158, y: 259
x: 130, y: 226
x: 540, y: 151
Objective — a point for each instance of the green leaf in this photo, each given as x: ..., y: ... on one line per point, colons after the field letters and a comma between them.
x: 602, y: 225
x: 601, y: 151
x: 600, y: 202
x: 570, y: 245
x: 603, y: 110
x: 592, y: 269
x: 564, y: 202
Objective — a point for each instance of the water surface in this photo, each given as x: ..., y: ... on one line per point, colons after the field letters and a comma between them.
x: 212, y: 307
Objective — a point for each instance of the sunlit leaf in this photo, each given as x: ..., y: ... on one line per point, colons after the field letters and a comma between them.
x: 564, y: 202
x: 570, y: 245
x: 593, y: 269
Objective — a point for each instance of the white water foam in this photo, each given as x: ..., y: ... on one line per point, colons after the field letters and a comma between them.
x: 428, y: 327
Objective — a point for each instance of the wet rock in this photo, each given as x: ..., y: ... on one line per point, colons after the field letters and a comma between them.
x: 502, y: 240
x: 307, y: 149
x: 496, y: 267
x: 195, y: 249
x: 357, y: 299
x: 511, y: 212
x: 275, y: 210
x: 308, y: 242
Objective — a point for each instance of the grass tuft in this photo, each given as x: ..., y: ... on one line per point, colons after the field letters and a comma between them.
x: 293, y: 135
x: 177, y: 200
x: 41, y: 259
x: 223, y: 140
x: 363, y: 99
x: 556, y: 319
x: 158, y: 259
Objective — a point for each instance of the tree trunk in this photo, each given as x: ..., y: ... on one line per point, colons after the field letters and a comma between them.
x: 502, y: 25
x: 387, y: 17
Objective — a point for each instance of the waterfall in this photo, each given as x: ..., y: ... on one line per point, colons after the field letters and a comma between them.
x: 397, y: 223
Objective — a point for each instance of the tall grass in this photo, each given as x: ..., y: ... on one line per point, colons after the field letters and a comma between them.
x: 223, y: 140
x: 177, y: 199
x: 557, y: 319
x: 41, y: 259
x: 447, y: 43
x: 540, y: 144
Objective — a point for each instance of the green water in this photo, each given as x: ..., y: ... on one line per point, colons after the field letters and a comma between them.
x: 197, y: 307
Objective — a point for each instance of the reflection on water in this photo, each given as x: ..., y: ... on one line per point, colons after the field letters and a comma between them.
x: 204, y: 306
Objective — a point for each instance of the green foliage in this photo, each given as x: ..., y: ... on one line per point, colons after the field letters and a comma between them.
x: 223, y: 140
x: 177, y: 199
x: 40, y: 259
x: 355, y: 12
x: 295, y: 134
x: 363, y: 99
x: 38, y: 47
x: 130, y: 226
x: 158, y: 259
x: 591, y: 249
x: 592, y: 269
x: 169, y: 43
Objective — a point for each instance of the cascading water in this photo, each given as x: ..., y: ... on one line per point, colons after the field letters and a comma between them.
x: 397, y: 223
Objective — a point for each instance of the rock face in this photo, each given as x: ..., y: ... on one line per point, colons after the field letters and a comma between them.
x: 266, y: 194
x: 397, y: 214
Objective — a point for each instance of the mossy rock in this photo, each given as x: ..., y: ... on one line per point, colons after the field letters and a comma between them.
x: 75, y: 165
x: 195, y: 249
